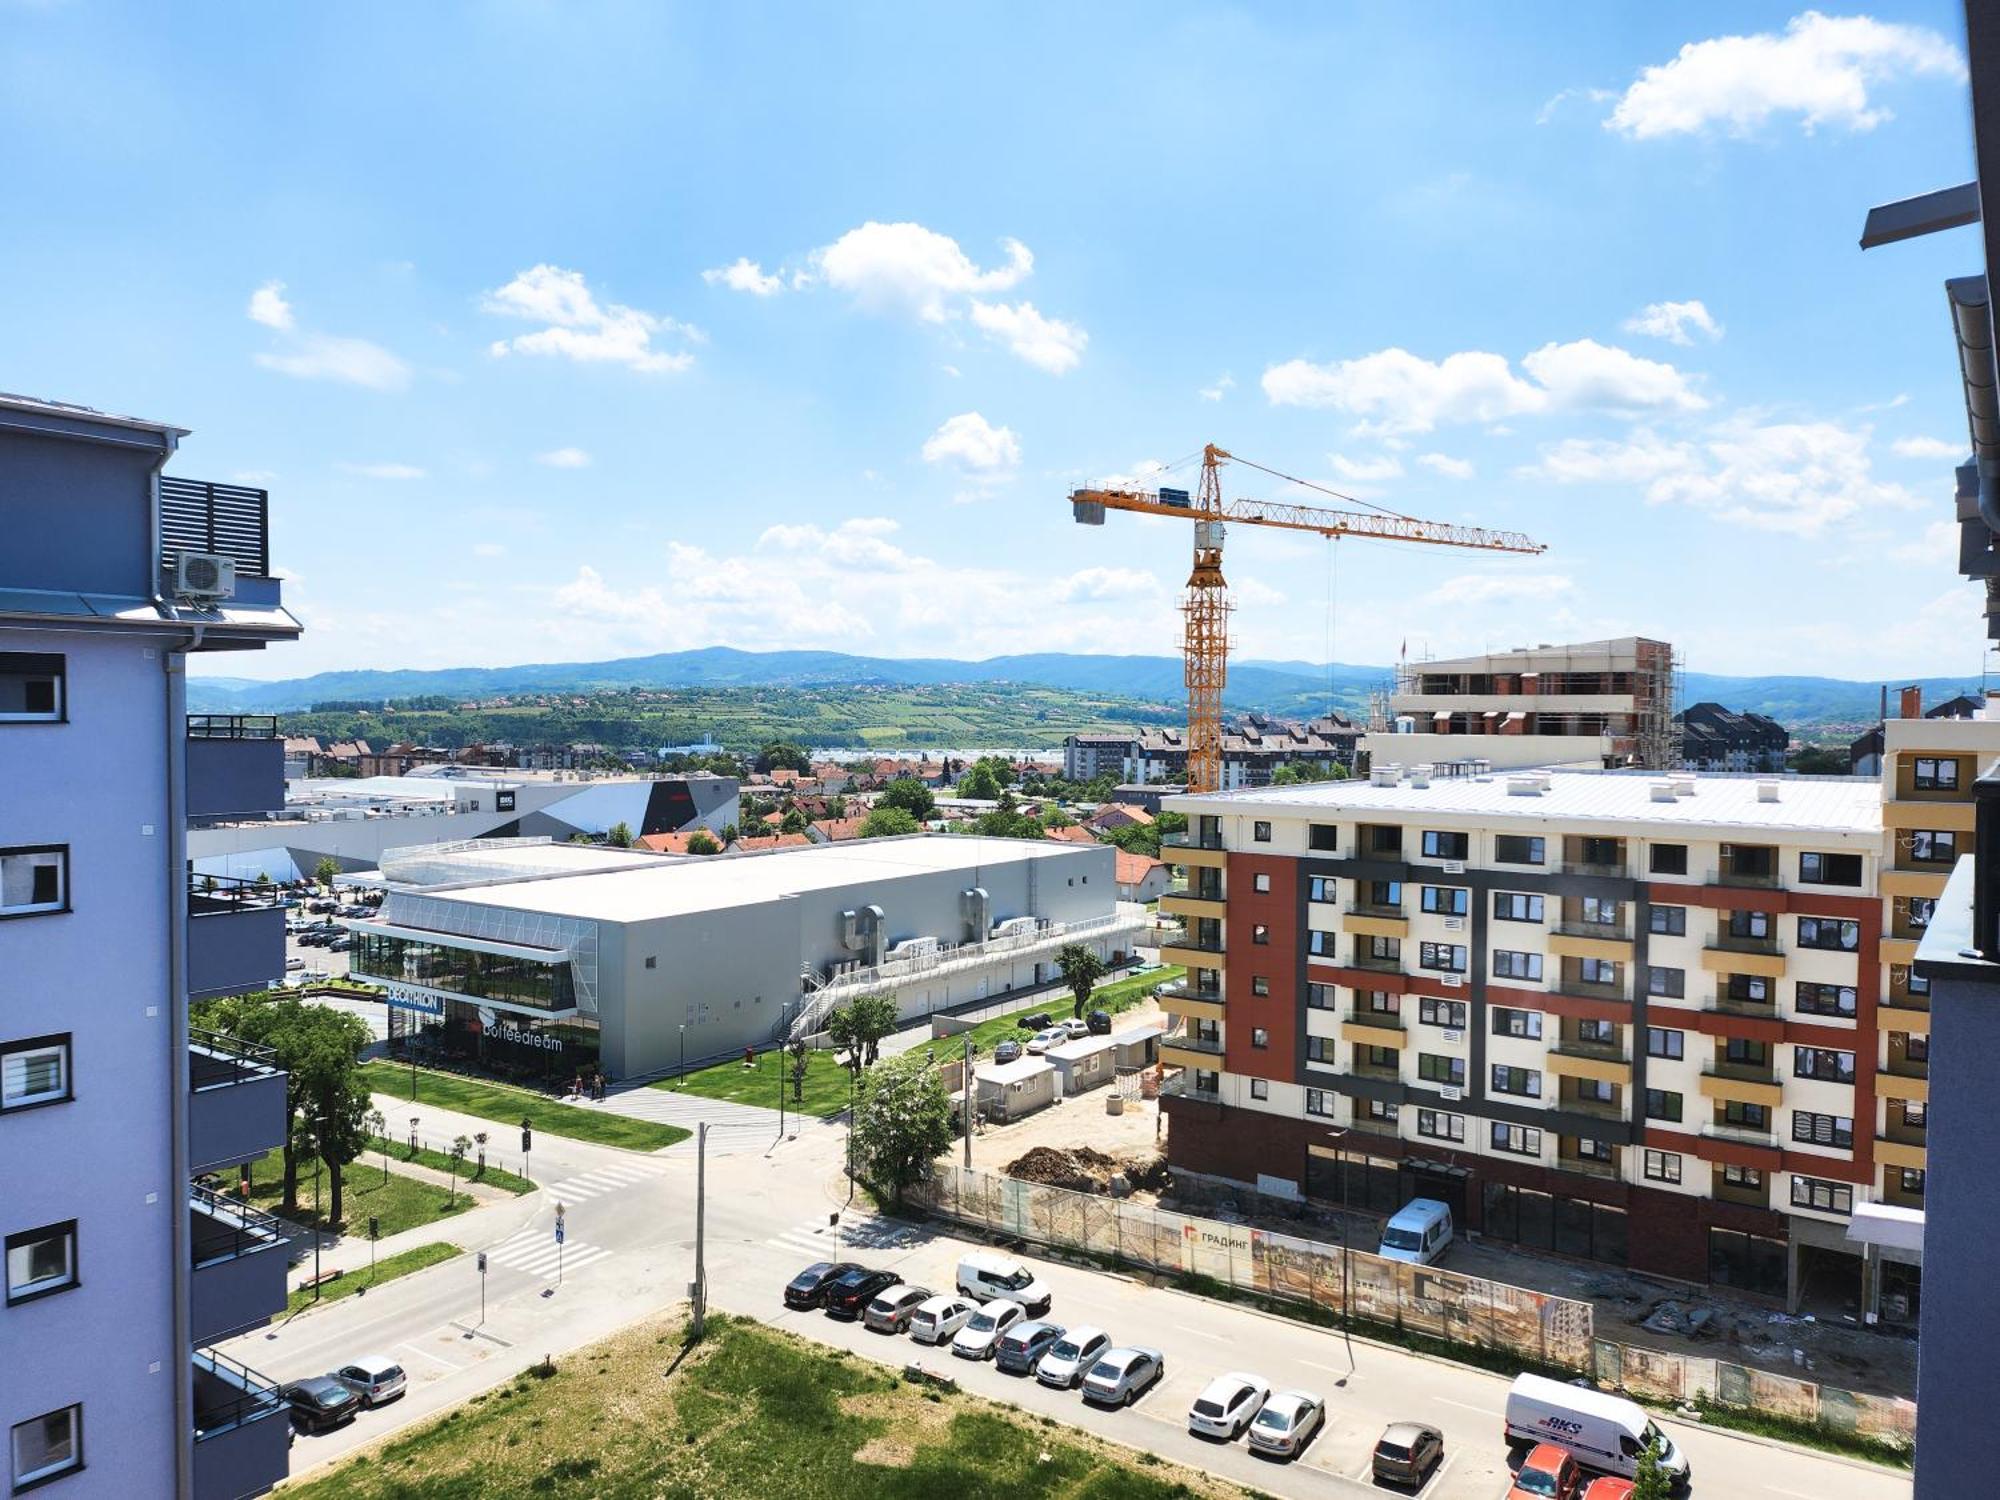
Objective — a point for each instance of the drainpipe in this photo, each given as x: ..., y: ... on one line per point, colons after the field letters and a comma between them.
x: 1971, y: 315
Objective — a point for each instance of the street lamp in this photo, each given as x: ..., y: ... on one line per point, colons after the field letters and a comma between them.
x: 413, y: 1137
x: 315, y: 1224
x: 684, y: 1056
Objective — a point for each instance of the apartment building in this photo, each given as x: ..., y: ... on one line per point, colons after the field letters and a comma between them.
x: 1253, y: 748
x: 1648, y: 1021
x: 1598, y: 703
x: 1714, y: 738
x: 122, y: 1272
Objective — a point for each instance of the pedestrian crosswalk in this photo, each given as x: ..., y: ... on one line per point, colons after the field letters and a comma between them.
x: 535, y: 1252
x: 856, y: 1233
x: 587, y: 1185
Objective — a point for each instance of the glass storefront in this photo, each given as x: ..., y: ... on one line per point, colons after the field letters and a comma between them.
x: 507, y: 1045
x: 545, y: 985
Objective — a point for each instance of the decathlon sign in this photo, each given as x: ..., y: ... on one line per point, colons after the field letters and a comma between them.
x: 402, y: 997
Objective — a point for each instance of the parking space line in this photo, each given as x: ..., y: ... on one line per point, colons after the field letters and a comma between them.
x: 1200, y: 1334
x: 1484, y: 1411
x: 1348, y: 1374
x: 418, y: 1349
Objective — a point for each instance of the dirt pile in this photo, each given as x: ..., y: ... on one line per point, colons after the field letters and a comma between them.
x: 1084, y: 1170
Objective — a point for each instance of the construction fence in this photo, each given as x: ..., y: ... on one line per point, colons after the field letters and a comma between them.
x: 1659, y: 1375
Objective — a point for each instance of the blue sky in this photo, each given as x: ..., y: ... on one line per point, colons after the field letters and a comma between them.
x: 575, y: 331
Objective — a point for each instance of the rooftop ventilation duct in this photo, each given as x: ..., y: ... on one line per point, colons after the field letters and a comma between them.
x: 976, y: 906
x: 1683, y: 786
x: 1384, y: 775
x: 1420, y: 776
x: 1663, y: 791
x: 1767, y: 789
x: 1524, y: 786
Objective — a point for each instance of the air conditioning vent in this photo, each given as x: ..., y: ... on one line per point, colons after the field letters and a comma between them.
x: 1451, y: 1095
x: 1454, y: 924
x: 1452, y: 1034
x: 204, y: 575
x: 1452, y: 981
x: 1454, y: 867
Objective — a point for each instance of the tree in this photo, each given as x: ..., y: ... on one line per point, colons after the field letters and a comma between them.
x: 336, y: 1103
x: 377, y: 1125
x: 1055, y: 817
x: 886, y: 822
x: 459, y: 1146
x: 1820, y: 760
x: 981, y: 783
x: 1081, y: 968
x: 901, y: 1124
x: 619, y: 835
x: 794, y: 821
x: 1651, y: 1482
x: 798, y: 1050
x: 779, y: 756
x: 836, y: 807
x: 731, y: 833
x: 703, y: 842
x: 326, y: 871
x: 859, y: 1026
x: 910, y: 795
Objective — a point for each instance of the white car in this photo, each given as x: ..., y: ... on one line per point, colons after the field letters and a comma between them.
x: 1041, y: 1041
x: 983, y: 1329
x: 1227, y: 1405
x: 375, y: 1378
x: 1075, y: 1352
x: 1287, y: 1423
x: 1075, y: 1027
x: 940, y: 1318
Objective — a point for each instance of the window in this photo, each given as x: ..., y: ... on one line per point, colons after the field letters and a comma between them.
x: 1261, y: 884
x: 1921, y: 909
x: 1827, y: 1197
x: 1440, y: 1125
x: 1385, y: 838
x: 1916, y: 1047
x: 1669, y: 984
x: 1260, y: 1037
x: 1913, y: 982
x: 1598, y: 971
x: 1446, y: 900
x: 1933, y: 846
x: 1321, y: 888
x: 1526, y: 1082
x: 1508, y: 964
x: 1322, y: 997
x: 1434, y: 1067
x: 1442, y: 845
x: 1935, y: 775
x: 1386, y: 950
x: 1594, y: 1091
x: 1914, y: 1114
x: 1745, y: 1052
x: 1662, y: 1104
x: 1822, y: 1130
x: 1911, y: 1180
x: 1260, y: 832
x: 1668, y: 859
x: 1599, y: 1151
x: 1823, y: 1063
x: 1378, y: 1002
x: 1320, y: 1102
x: 1259, y: 985
x: 1599, y: 912
x: 1433, y: 1012
x: 1752, y: 989
x: 1259, y: 1089
x: 1662, y: 1041
x: 1323, y: 837
x: 31, y: 688
x: 34, y: 1071
x: 1516, y: 906
x: 1448, y: 958
x: 1662, y: 1166
x: 1385, y: 1058
x: 1668, y: 921
x: 1825, y: 999
x: 34, y: 879
x: 1749, y: 924
x: 1830, y: 869
x: 1260, y: 934
x: 1829, y: 932
x: 46, y: 1446
x: 1518, y: 849
x: 41, y: 1261
x: 1377, y: 1110
x: 1386, y: 893
x: 1744, y: 1177
x: 1322, y: 944
x: 1745, y: 1116
x: 1522, y: 1023
x: 1322, y: 1049
x: 1516, y: 1140
x: 1206, y: 1081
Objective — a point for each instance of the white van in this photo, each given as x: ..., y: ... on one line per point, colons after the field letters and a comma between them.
x: 985, y: 1275
x: 1599, y: 1430
x: 1418, y: 1234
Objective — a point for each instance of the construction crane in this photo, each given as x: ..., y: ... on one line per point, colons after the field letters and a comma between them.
x: 1206, y: 606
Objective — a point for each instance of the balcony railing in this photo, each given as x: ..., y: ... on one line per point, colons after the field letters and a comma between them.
x: 1569, y: 984
x: 1198, y: 944
x: 1738, y: 942
x: 231, y: 519
x: 1764, y: 880
x: 1589, y: 1166
x: 1375, y: 964
x: 1384, y: 1072
x: 1382, y: 1020
x: 1616, y: 932
x: 1570, y: 1046
x: 1192, y: 840
x: 1185, y: 1085
x: 1724, y: 1003
x: 232, y: 726
x: 1742, y: 1072
x: 227, y: 1227
x: 1182, y: 990
x: 1370, y: 909
x: 1597, y: 1109
x: 215, y: 1059
x: 1209, y: 1046
x: 1208, y: 890
x: 211, y: 894
x: 234, y: 1394
x: 1612, y: 869
x: 1729, y: 1130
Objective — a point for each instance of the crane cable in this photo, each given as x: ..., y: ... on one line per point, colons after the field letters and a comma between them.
x: 1332, y: 591
x: 1323, y: 489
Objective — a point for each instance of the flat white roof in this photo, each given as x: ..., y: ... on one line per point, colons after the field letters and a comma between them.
x: 1088, y: 1046
x: 1019, y: 1071
x: 1830, y: 804
x: 628, y: 890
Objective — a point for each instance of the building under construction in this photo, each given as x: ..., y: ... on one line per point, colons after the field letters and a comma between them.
x: 1600, y: 704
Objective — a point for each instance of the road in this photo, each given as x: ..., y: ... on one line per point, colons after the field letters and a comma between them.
x: 768, y: 1214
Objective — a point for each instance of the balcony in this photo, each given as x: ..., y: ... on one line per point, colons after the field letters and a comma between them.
x: 1597, y: 1109
x: 1184, y: 1085
x: 1194, y: 1002
x: 1201, y: 851
x: 1190, y: 1052
x: 1570, y: 984
x: 242, y: 1429
x: 1377, y: 965
x: 240, y: 1261
x: 1907, y: 1081
x: 235, y: 765
x: 236, y: 1108
x: 1742, y: 1135
x: 1745, y: 877
x: 1725, y: 1191
x: 1191, y: 952
x: 1590, y: 1166
x: 1616, y: 869
x: 1610, y: 932
x: 1742, y: 1083
x: 236, y: 936
x: 1381, y: 1072
x: 1598, y: 1062
x: 1725, y: 1004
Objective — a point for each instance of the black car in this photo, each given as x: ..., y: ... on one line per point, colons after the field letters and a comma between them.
x: 808, y: 1288
x: 1100, y: 1023
x: 1039, y: 1021
x: 320, y: 1404
x: 848, y: 1296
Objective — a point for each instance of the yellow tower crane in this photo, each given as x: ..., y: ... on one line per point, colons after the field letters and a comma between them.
x: 1206, y: 606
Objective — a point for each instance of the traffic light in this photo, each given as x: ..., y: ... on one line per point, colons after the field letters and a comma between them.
x: 482, y: 1263
x: 527, y: 1137
x: 374, y: 1227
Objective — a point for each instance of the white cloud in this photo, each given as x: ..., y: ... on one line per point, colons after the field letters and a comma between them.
x: 1445, y: 464
x: 1217, y: 391
x: 257, y: 477
x: 1046, y: 343
x: 1471, y: 590
x: 1671, y: 321
x: 1366, y: 470
x: 1819, y: 69
x: 974, y: 445
x: 1596, y: 96
x: 906, y: 267
x: 1639, y: 459
x: 1394, y: 391
x: 383, y: 471
x: 1936, y: 545
x: 581, y: 329
x: 564, y: 458
x: 488, y: 549
x: 744, y: 275
x: 305, y: 355
x: 269, y: 307
x: 1928, y: 447
x: 1108, y: 583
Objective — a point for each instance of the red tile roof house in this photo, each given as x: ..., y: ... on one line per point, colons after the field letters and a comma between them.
x: 772, y: 841
x: 1119, y: 815
x: 836, y: 830
x: 1140, y: 877
x: 1073, y: 834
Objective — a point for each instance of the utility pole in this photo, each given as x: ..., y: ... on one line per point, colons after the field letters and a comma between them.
x: 965, y: 1108
x: 698, y: 1291
x: 316, y: 1218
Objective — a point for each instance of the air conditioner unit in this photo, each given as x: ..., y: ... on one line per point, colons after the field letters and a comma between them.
x: 1454, y: 924
x: 204, y: 575
x: 1451, y: 1034
x: 1454, y: 867
x: 1451, y: 1095
x: 1452, y: 981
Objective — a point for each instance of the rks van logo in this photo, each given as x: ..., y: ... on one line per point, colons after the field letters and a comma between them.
x: 1561, y: 1424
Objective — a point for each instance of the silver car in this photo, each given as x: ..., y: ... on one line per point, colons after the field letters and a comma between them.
x: 1075, y: 1352
x: 1122, y: 1375
x: 1021, y: 1348
x: 892, y: 1310
x: 1287, y: 1423
x: 984, y: 1328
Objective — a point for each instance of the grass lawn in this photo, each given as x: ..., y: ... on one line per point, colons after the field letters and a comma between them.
x: 496, y: 1101
x: 357, y: 1281
x: 468, y: 1169
x: 751, y: 1413
x: 399, y: 1202
x: 825, y: 1091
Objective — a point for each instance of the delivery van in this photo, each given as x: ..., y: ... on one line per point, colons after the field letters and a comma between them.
x: 1601, y: 1431
x: 1418, y: 1233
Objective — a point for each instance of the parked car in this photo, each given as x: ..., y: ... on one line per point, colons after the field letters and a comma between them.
x: 1041, y: 1020
x: 1289, y: 1421
x: 848, y: 1295
x: 1074, y: 1028
x: 1021, y: 1348
x: 1007, y: 1051
x: 1075, y: 1352
x: 938, y: 1319
x: 1099, y: 1022
x: 375, y: 1378
x: 983, y: 1329
x: 985, y: 1274
x: 1418, y: 1234
x: 295, y: 962
x: 1407, y: 1452
x: 1041, y: 1041
x: 891, y: 1310
x: 319, y: 1403
x: 1121, y: 1376
x: 808, y: 1288
x: 342, y: 943
x: 1227, y: 1405
x: 1547, y: 1473
x: 1607, y: 1487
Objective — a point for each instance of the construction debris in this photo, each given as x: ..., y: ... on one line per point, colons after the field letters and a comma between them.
x: 1084, y: 1170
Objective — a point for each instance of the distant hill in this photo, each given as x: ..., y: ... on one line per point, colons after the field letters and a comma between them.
x: 1291, y: 687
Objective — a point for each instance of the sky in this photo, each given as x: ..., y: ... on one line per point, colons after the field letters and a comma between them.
x: 575, y: 331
